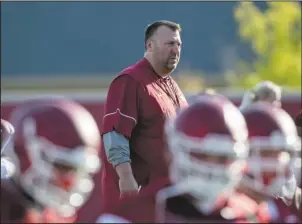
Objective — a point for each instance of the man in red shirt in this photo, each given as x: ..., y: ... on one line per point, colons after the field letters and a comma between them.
x: 139, y: 100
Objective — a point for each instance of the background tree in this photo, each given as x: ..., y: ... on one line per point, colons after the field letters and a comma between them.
x: 275, y: 37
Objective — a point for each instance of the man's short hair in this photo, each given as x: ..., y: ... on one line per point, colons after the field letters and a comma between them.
x: 151, y: 28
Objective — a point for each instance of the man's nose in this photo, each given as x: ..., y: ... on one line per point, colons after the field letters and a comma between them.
x: 176, y: 49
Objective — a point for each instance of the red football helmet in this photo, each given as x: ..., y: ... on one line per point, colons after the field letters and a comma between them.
x: 274, y: 148
x: 56, y: 147
x: 208, y: 141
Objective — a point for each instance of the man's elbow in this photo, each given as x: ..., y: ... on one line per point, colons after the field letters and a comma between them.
x: 116, y: 160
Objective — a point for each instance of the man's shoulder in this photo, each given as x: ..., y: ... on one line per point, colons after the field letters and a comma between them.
x: 134, y: 71
x: 124, y: 79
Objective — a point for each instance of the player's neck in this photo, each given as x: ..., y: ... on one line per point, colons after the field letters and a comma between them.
x: 158, y: 71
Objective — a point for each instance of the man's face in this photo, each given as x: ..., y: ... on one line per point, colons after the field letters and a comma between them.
x: 166, y: 46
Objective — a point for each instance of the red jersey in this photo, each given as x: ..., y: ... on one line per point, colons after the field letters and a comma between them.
x: 147, y: 207
x: 19, y: 207
x: 137, y: 105
x: 281, y: 213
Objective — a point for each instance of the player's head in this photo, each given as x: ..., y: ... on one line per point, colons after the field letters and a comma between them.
x: 56, y: 147
x: 163, y: 44
x: 269, y: 92
x: 274, y: 148
x: 212, y: 93
x: 266, y: 91
x: 7, y: 130
x: 208, y: 144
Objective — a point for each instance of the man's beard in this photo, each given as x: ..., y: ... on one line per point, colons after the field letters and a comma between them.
x: 169, y: 66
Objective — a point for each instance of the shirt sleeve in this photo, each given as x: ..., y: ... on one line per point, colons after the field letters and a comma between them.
x: 121, y: 106
x: 117, y: 148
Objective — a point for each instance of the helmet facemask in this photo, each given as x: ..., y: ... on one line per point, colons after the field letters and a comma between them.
x: 198, y: 167
x: 271, y: 165
x: 59, y: 178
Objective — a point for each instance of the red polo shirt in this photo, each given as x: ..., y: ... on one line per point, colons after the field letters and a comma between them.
x: 137, y: 105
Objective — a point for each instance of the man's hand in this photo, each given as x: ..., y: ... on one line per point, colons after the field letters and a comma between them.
x: 127, y: 182
x: 128, y: 187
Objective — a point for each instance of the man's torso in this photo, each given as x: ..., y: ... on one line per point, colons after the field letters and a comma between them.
x: 157, y: 99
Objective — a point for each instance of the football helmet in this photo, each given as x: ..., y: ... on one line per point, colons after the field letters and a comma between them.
x: 208, y: 142
x: 274, y: 149
x: 56, y: 146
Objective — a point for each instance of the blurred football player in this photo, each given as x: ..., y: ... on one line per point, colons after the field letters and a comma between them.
x: 208, y: 146
x: 7, y: 167
x: 266, y: 91
x: 274, y: 148
x: 55, y: 148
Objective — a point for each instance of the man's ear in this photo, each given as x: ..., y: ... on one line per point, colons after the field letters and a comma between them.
x: 149, y: 45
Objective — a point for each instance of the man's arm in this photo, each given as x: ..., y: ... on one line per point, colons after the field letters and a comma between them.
x: 118, y: 154
x: 121, y: 108
x: 117, y: 148
x: 119, y: 120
